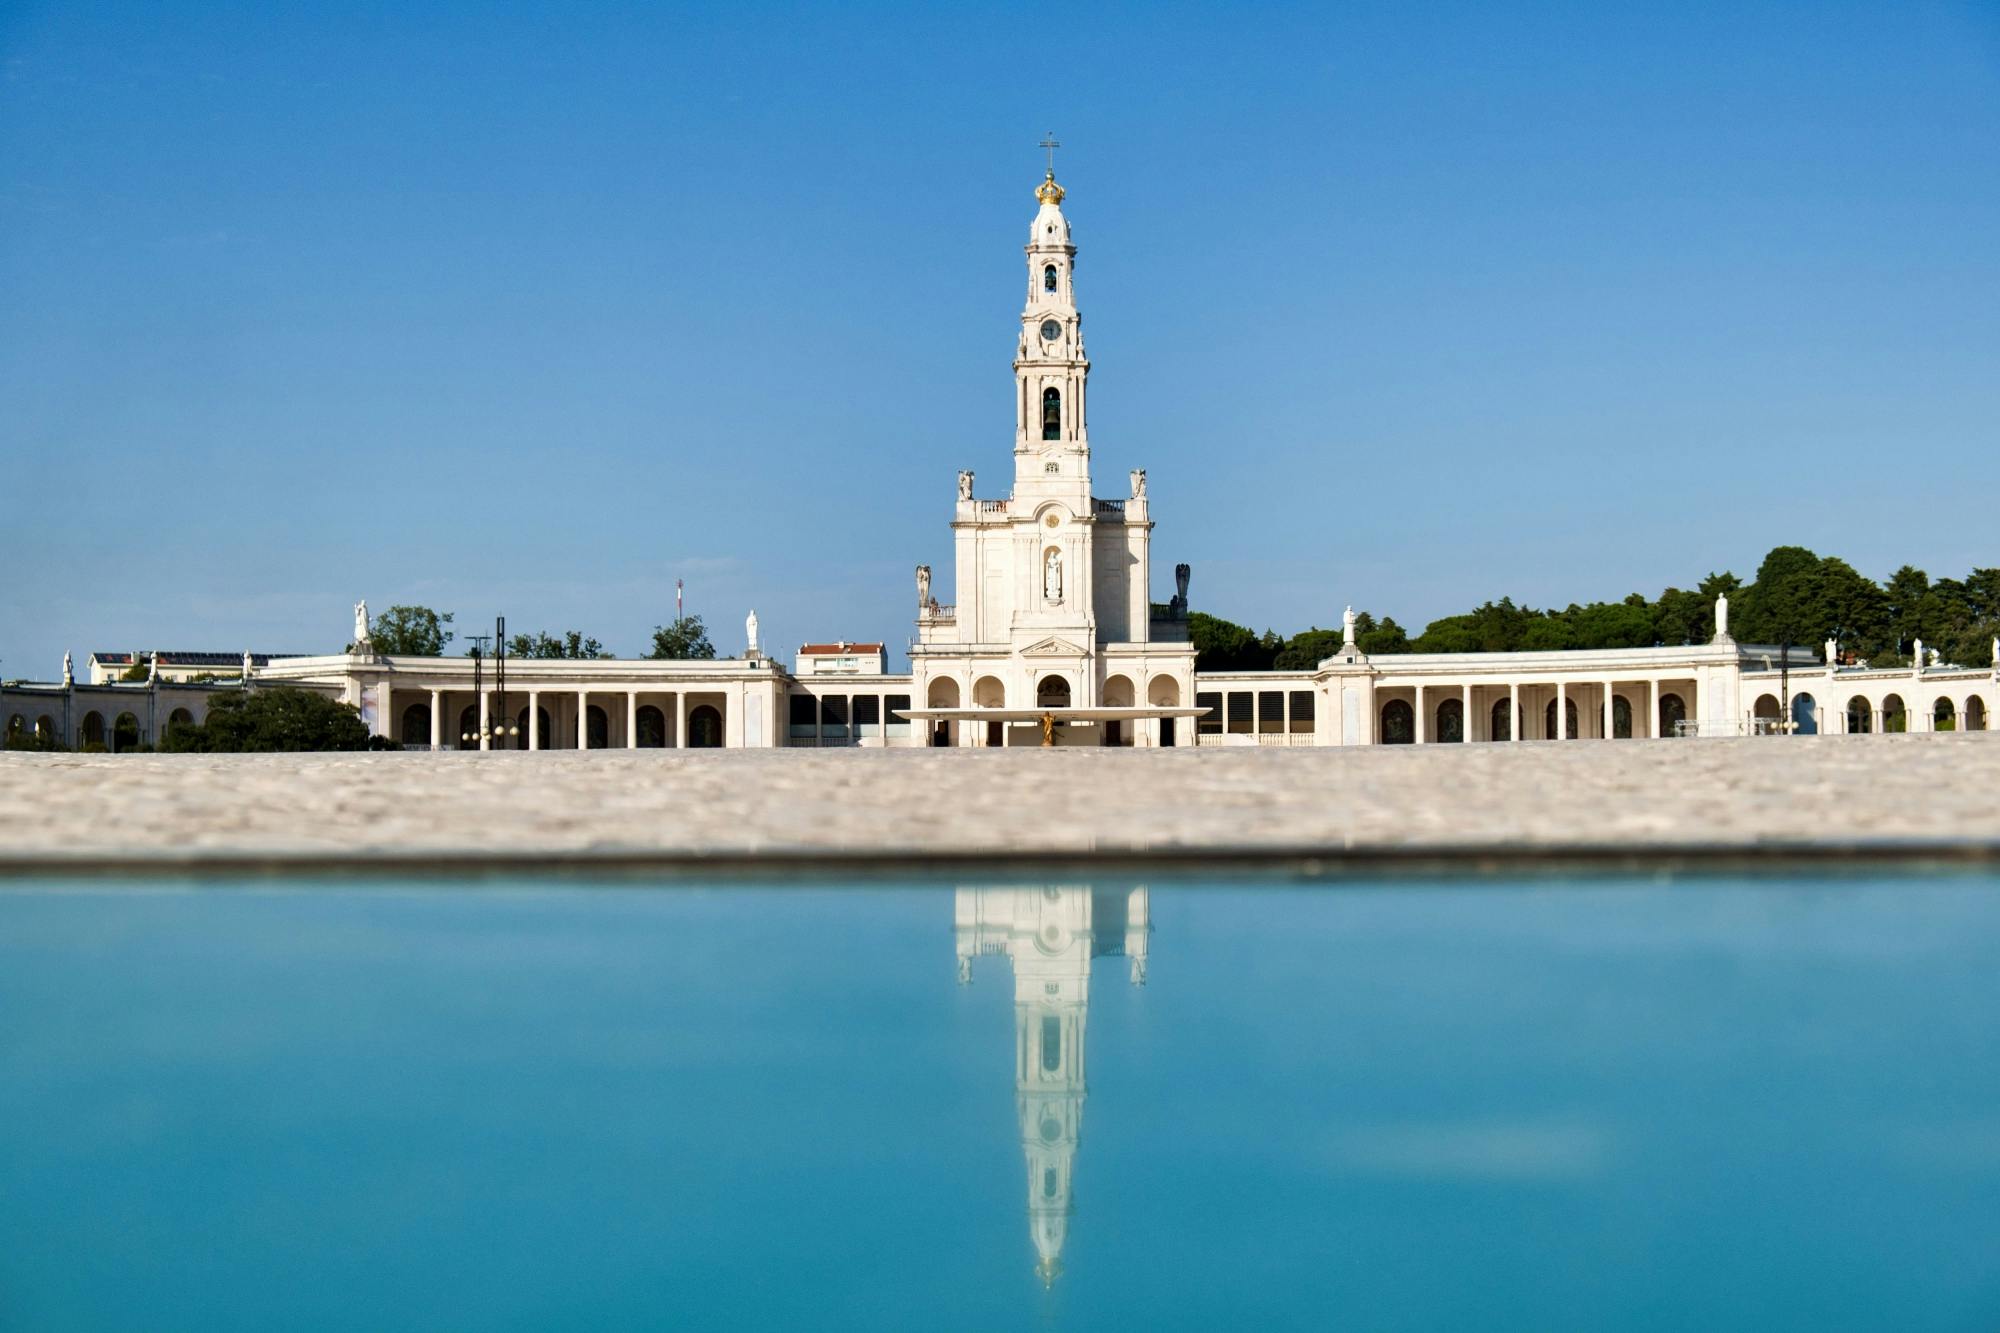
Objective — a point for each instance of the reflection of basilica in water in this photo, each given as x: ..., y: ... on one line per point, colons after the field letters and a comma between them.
x: 1050, y: 935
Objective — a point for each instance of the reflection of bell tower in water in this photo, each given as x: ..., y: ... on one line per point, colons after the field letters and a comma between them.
x: 1050, y: 935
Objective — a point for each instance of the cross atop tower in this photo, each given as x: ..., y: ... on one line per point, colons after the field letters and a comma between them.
x: 1051, y: 145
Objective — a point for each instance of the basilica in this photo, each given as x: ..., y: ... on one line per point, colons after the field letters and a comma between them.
x: 1052, y: 636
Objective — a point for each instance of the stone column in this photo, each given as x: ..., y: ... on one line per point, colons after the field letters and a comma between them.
x: 437, y: 719
x: 1607, y: 710
x: 680, y: 720
x: 583, y: 719
x: 631, y: 719
x: 1562, y: 710
x: 1514, y: 710
x: 1465, y: 717
x: 1653, y: 708
x: 1419, y: 735
x: 534, y: 719
x: 485, y: 741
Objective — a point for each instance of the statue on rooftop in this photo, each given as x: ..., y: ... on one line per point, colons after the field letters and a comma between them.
x: 964, y: 485
x: 69, y: 665
x: 923, y: 586
x: 1138, y: 483
x: 1347, y: 626
x: 361, y: 623
x: 750, y: 632
x: 1722, y: 617
x: 248, y: 667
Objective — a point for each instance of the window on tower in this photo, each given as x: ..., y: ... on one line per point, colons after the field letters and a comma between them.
x: 1051, y: 414
x: 1049, y: 278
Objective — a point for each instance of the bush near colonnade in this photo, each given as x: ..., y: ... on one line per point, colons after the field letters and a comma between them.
x: 278, y: 719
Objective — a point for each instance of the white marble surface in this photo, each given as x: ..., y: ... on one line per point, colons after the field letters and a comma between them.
x: 1636, y: 796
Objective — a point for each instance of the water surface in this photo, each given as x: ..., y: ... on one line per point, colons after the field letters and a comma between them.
x: 1707, y: 1104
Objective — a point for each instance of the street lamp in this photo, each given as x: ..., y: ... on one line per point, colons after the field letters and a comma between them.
x: 501, y: 729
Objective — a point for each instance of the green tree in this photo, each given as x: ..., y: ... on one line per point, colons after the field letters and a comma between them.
x: 1223, y: 645
x: 1307, y: 649
x: 279, y: 718
x: 1379, y: 639
x: 683, y: 640
x: 571, y: 644
x: 138, y: 671
x: 1784, y: 603
x: 410, y: 631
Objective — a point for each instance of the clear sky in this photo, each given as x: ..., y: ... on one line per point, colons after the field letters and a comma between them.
x: 532, y: 311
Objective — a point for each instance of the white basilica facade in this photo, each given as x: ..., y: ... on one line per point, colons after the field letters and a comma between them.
x: 1053, y: 637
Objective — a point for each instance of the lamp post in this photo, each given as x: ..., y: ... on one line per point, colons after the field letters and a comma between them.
x: 1785, y: 686
x: 495, y: 729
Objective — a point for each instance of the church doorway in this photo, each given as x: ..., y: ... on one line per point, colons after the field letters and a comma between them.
x: 1673, y: 712
x: 1052, y: 692
x: 705, y: 728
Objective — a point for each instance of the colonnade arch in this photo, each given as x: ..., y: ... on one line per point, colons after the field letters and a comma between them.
x: 1399, y: 723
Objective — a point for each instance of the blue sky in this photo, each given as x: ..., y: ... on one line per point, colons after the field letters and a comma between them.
x: 532, y: 311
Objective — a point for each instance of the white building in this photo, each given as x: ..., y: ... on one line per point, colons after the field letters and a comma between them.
x: 1054, y: 637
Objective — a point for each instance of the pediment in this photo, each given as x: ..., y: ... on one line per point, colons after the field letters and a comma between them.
x: 1052, y: 647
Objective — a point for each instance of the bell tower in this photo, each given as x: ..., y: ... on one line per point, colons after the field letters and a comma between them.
x: 1051, y: 372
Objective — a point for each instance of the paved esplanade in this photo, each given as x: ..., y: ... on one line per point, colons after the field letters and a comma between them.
x: 1639, y: 797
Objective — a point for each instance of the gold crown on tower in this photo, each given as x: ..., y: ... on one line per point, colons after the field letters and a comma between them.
x: 1048, y: 191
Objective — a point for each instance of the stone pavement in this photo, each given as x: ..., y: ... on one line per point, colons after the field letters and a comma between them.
x: 1646, y: 799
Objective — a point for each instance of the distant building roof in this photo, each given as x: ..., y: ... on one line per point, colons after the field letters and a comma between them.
x: 194, y: 659
x: 842, y: 647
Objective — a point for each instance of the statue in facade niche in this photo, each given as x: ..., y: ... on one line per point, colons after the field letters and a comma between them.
x: 1052, y: 575
x: 1138, y: 483
x: 361, y: 622
x: 923, y: 586
x: 964, y: 485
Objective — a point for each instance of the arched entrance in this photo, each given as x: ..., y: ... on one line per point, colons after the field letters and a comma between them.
x: 1118, y: 693
x: 1894, y: 718
x: 1165, y: 692
x: 1944, y: 717
x: 1805, y: 715
x: 705, y: 728
x: 468, y: 728
x: 1399, y: 723
x: 1451, y: 721
x: 1860, y: 716
x: 599, y: 723
x: 1673, y: 712
x: 1052, y: 692
x: 652, y: 728
x: 1500, y: 722
x: 1764, y: 715
x: 180, y: 717
x: 93, y: 728
x: 943, y: 694
x: 417, y: 725
x: 991, y: 692
x: 1621, y: 718
x: 125, y: 734
x: 1975, y: 714
x: 1549, y: 719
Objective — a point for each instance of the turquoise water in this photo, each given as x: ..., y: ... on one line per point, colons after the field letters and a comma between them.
x: 1705, y: 1104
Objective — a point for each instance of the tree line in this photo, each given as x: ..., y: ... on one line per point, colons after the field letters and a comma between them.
x: 1797, y: 597
x: 419, y: 631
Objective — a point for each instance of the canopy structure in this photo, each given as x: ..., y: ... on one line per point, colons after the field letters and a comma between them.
x: 1048, y: 717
